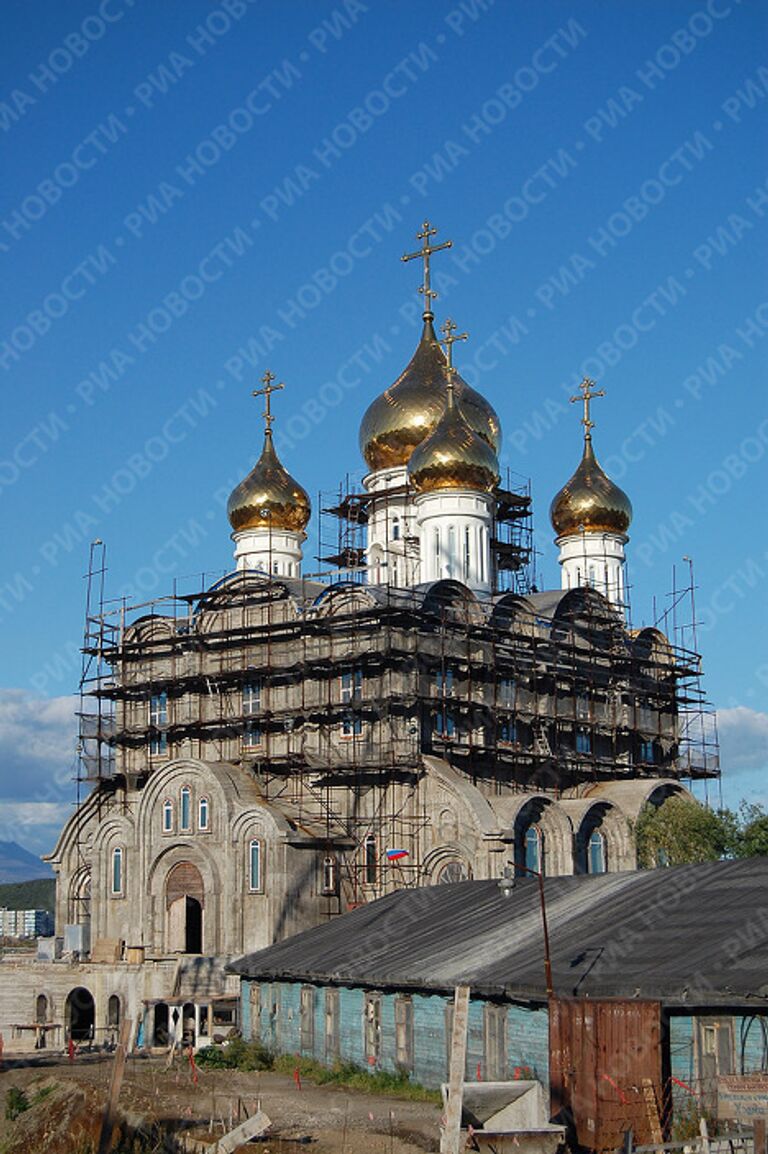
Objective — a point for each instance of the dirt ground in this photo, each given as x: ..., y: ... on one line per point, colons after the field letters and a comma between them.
x: 320, y: 1119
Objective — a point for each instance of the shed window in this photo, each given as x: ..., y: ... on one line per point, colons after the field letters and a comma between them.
x: 372, y: 1028
x: 404, y: 1032
x: 307, y: 1020
x: 495, y: 1042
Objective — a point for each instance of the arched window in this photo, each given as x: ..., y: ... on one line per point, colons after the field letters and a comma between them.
x: 330, y: 877
x: 186, y: 808
x: 534, y: 845
x: 203, y: 814
x: 117, y: 870
x: 395, y: 528
x: 41, y: 1008
x: 113, y: 1011
x: 370, y: 860
x: 254, y: 865
x: 597, y: 859
x: 167, y: 816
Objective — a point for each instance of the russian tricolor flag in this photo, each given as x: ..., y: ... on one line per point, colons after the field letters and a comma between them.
x: 396, y: 854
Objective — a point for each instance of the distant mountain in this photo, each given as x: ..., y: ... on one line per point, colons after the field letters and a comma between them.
x: 19, y: 865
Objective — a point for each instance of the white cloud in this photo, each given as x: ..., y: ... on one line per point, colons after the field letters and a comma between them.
x: 37, y: 746
x: 743, y: 738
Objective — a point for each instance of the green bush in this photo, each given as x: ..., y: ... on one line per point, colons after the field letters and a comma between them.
x: 236, y: 1055
x: 354, y: 1077
x: 16, y: 1102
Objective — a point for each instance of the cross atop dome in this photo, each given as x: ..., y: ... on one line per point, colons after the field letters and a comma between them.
x: 587, y: 394
x: 425, y: 252
x: 266, y: 393
x: 450, y: 339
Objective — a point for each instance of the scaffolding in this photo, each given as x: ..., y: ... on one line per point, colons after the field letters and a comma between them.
x: 344, y: 514
x: 544, y: 691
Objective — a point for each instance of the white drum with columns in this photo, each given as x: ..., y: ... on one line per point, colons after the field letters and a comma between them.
x: 454, y: 537
x: 277, y: 551
x: 595, y: 559
x: 392, y: 547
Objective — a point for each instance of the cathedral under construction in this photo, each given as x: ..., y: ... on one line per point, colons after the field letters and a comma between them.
x: 277, y: 748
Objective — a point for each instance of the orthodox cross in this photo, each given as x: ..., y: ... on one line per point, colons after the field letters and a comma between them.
x: 266, y: 393
x: 587, y: 393
x: 425, y: 252
x: 450, y: 338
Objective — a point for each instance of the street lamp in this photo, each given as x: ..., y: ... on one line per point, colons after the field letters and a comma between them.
x: 507, y: 885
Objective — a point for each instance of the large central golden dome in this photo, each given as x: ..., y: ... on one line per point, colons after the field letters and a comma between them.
x: 407, y: 412
x: 269, y: 497
x: 590, y: 501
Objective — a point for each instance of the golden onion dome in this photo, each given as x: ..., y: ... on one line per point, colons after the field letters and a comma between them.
x: 590, y: 501
x: 269, y: 497
x: 407, y: 412
x: 453, y: 456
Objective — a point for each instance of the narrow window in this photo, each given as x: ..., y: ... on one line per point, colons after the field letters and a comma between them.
x: 330, y: 879
x: 185, y: 808
x: 158, y: 720
x: 647, y: 753
x: 351, y: 693
x: 167, y: 816
x: 251, y: 704
x: 507, y: 731
x: 117, y: 870
x: 307, y: 1019
x: 331, y: 1023
x: 436, y: 543
x: 254, y: 865
x: 395, y: 528
x: 113, y: 1012
x: 467, y: 552
x: 404, y: 1032
x: 533, y: 846
x: 370, y: 860
x: 372, y: 1028
x: 583, y: 741
x: 451, y: 559
x: 507, y: 692
x: 202, y: 814
x: 596, y: 855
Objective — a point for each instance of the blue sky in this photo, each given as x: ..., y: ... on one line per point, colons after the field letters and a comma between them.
x: 195, y: 192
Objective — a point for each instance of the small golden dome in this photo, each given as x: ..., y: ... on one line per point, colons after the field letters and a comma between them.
x: 268, y: 497
x: 590, y: 501
x: 453, y: 456
x: 407, y: 412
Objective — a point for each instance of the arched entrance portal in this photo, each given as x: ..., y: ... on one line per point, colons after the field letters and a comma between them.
x: 80, y: 1015
x: 185, y: 900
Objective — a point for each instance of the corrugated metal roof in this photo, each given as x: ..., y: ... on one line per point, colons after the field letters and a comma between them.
x: 693, y: 935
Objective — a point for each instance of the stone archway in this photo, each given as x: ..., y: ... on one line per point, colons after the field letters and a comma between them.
x: 185, y: 903
x: 80, y: 1015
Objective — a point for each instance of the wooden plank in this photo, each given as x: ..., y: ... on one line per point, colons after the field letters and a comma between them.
x: 115, y: 1085
x: 450, y: 1139
x: 252, y: 1127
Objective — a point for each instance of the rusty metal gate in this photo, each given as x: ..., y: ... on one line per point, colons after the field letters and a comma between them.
x: 605, y: 1069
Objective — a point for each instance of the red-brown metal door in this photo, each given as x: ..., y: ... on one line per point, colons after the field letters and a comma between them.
x: 605, y: 1069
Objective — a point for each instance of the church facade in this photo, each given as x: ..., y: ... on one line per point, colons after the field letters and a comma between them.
x: 276, y: 750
